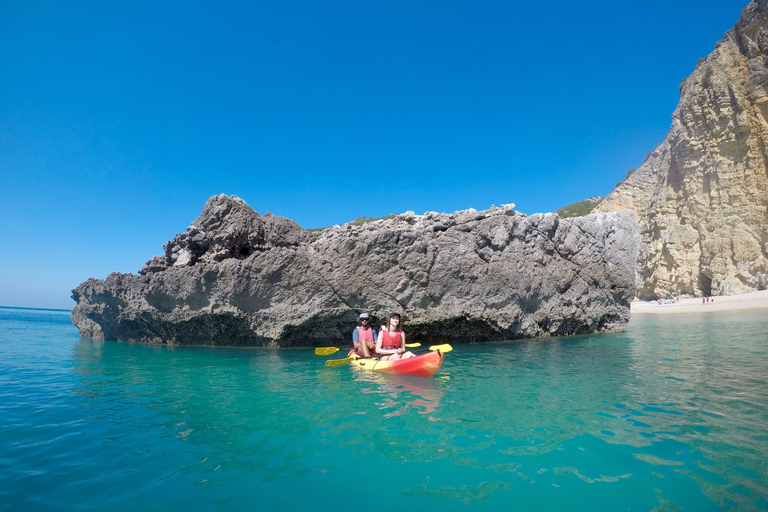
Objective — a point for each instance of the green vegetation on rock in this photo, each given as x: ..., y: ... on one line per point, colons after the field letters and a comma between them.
x: 578, y: 209
x: 365, y: 220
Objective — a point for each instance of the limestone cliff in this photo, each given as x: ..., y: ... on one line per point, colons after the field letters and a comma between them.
x: 239, y: 278
x: 701, y: 196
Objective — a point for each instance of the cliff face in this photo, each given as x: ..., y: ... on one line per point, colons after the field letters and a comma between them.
x: 701, y: 196
x: 238, y: 278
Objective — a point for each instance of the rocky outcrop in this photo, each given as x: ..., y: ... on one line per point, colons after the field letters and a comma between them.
x: 238, y: 278
x: 701, y: 196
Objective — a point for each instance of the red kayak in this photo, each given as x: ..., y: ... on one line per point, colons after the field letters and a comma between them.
x: 424, y: 365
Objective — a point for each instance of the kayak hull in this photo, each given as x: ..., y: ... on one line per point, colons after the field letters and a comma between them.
x: 424, y: 365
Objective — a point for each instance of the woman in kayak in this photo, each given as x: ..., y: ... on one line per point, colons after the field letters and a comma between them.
x: 391, y: 341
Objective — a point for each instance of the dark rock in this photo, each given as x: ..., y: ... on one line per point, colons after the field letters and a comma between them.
x: 238, y: 278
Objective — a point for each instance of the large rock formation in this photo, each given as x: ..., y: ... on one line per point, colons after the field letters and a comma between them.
x: 702, y: 195
x: 238, y: 278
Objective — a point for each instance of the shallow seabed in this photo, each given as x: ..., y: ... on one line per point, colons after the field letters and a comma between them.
x: 670, y: 415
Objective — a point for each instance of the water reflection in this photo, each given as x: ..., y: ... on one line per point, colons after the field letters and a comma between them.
x: 400, y: 392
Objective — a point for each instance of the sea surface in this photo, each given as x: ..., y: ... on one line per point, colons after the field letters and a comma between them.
x: 670, y: 415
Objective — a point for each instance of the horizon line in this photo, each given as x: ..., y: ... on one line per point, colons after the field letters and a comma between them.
x: 35, y: 309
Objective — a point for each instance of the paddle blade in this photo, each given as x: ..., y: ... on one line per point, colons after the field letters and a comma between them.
x: 338, y: 362
x: 325, y: 351
x: 412, y: 345
x: 441, y: 348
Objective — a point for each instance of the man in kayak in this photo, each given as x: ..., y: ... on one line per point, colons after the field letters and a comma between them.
x: 364, y: 337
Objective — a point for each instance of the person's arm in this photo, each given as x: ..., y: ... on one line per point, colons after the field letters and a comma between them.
x: 372, y: 344
x: 402, y: 342
x: 379, y: 342
x: 356, y: 338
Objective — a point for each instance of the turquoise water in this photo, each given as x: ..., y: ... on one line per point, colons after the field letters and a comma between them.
x: 670, y: 415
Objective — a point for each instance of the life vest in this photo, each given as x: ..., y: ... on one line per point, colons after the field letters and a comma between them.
x: 365, y: 334
x: 389, y: 342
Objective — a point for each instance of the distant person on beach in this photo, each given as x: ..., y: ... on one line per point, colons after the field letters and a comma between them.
x: 391, y: 341
x: 364, y: 337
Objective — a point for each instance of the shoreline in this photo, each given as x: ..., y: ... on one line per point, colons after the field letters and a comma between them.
x: 752, y: 301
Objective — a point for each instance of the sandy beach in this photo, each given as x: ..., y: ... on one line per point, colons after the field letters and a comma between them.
x: 743, y: 302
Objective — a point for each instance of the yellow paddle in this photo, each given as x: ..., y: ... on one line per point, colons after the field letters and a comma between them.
x: 340, y: 362
x: 326, y: 351
x: 441, y: 348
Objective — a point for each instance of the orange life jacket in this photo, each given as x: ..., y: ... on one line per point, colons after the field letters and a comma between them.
x: 389, y: 342
x: 364, y: 334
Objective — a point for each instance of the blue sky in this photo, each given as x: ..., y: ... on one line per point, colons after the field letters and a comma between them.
x: 118, y: 120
